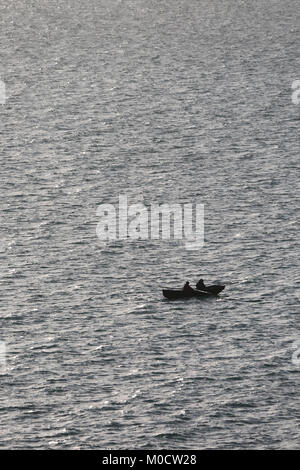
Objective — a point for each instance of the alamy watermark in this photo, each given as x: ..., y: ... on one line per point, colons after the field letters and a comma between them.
x: 2, y: 357
x: 2, y: 92
x: 296, y: 92
x: 182, y: 222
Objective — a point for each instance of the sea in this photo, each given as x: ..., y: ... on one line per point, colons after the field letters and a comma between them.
x: 160, y: 102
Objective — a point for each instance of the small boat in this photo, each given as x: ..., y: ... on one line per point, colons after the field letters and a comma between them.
x: 174, y: 294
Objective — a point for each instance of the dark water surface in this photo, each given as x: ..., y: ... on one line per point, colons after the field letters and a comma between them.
x: 164, y: 101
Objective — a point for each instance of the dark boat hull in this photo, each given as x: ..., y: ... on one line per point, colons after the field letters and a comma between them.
x: 213, y: 289
x: 180, y: 294
x: 173, y: 294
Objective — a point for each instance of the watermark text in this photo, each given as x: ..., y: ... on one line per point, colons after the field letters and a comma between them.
x: 182, y: 222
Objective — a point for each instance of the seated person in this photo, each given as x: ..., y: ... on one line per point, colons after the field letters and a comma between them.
x: 200, y: 284
x: 187, y: 287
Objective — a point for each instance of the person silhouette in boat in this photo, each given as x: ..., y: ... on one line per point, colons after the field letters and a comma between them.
x: 200, y: 285
x: 187, y: 287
